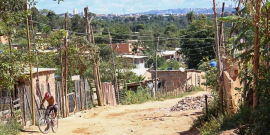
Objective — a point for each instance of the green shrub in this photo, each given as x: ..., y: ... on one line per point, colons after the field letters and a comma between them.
x: 11, y: 128
x: 140, y: 96
x: 216, y: 122
x: 213, y: 110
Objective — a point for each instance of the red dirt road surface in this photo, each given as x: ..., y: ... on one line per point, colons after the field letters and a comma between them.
x: 151, y: 118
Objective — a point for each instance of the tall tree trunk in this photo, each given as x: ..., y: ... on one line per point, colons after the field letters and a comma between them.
x: 257, y: 44
x: 234, y: 24
x: 218, y: 57
x: 30, y: 65
x: 114, y: 69
x: 267, y: 35
x: 66, y: 68
x: 62, y: 83
x: 95, y: 65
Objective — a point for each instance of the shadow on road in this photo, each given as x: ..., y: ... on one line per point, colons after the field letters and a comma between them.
x: 30, y: 132
x: 193, y: 131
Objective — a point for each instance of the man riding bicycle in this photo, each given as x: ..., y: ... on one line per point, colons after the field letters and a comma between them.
x: 51, y: 104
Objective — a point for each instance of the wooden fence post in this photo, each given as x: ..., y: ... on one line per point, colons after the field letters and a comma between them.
x: 75, y: 97
x: 206, y: 105
x: 85, y: 91
x: 81, y: 95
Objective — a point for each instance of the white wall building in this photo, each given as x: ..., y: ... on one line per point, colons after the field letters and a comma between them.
x: 75, y: 11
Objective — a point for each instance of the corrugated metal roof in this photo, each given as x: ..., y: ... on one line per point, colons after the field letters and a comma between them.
x: 34, y: 70
x: 133, y: 56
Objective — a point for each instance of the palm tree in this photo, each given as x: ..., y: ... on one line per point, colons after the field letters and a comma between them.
x: 191, y: 16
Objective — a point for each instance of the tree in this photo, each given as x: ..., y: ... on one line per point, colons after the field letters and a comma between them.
x: 140, y: 27
x: 198, y: 42
x: 77, y: 24
x: 120, y: 32
x: 171, y: 32
x: 191, y: 16
x: 12, y: 62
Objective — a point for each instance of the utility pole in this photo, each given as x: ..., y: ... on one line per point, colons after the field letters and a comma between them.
x: 219, y: 74
x: 257, y: 44
x: 156, y: 84
x: 66, y: 66
x: 114, y: 72
x: 62, y: 82
x: 95, y: 68
x: 30, y: 65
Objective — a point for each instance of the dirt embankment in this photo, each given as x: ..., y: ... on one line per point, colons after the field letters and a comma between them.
x: 142, y: 119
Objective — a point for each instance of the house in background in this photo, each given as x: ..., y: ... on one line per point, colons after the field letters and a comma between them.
x: 138, y: 62
x: 170, y: 54
x: 123, y: 48
x: 171, y: 80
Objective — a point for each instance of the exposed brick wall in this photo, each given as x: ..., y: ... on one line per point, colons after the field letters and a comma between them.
x: 174, y: 79
x: 44, y: 78
x: 124, y: 48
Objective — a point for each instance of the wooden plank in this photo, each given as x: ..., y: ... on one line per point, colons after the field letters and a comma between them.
x: 86, y: 102
x: 39, y: 91
x: 81, y: 95
x: 24, y: 107
x: 27, y: 100
x: 16, y: 100
x: 35, y: 100
x: 16, y: 106
x: 5, y: 112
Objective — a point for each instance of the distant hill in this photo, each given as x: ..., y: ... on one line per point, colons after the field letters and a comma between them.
x: 186, y: 10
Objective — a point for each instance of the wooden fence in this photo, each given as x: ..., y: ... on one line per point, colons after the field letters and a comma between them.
x: 81, y: 98
x: 109, y: 94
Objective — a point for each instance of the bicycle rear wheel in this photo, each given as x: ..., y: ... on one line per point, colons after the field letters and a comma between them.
x: 55, y: 125
x: 43, y: 126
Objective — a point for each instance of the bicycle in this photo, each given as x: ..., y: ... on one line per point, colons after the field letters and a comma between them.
x: 51, y: 122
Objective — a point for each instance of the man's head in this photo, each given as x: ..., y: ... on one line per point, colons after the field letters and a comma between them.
x: 47, y: 95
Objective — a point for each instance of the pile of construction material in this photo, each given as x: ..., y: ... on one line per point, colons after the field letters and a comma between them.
x: 191, y: 103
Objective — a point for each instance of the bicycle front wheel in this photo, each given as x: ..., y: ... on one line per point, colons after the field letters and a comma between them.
x: 55, y: 125
x: 43, y: 125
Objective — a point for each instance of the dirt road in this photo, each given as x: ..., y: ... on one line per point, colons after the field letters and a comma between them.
x: 151, y: 118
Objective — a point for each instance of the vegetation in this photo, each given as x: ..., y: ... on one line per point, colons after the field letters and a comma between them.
x: 138, y: 97
x: 143, y: 95
x: 192, y: 33
x: 161, y: 96
x: 249, y: 33
x: 12, y: 128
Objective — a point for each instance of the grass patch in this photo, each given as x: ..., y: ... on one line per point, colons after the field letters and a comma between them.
x: 138, y: 97
x: 11, y: 128
x: 161, y: 97
x: 142, y: 96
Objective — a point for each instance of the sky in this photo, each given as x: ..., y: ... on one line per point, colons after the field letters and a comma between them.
x: 125, y: 6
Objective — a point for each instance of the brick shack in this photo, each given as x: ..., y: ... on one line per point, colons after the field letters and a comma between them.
x: 170, y: 80
x: 123, y: 48
x: 46, y: 81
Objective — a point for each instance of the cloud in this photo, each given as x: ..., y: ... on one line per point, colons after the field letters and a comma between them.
x: 81, y: 2
x: 117, y: 6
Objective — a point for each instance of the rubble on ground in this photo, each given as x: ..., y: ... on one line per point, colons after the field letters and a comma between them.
x: 191, y: 103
